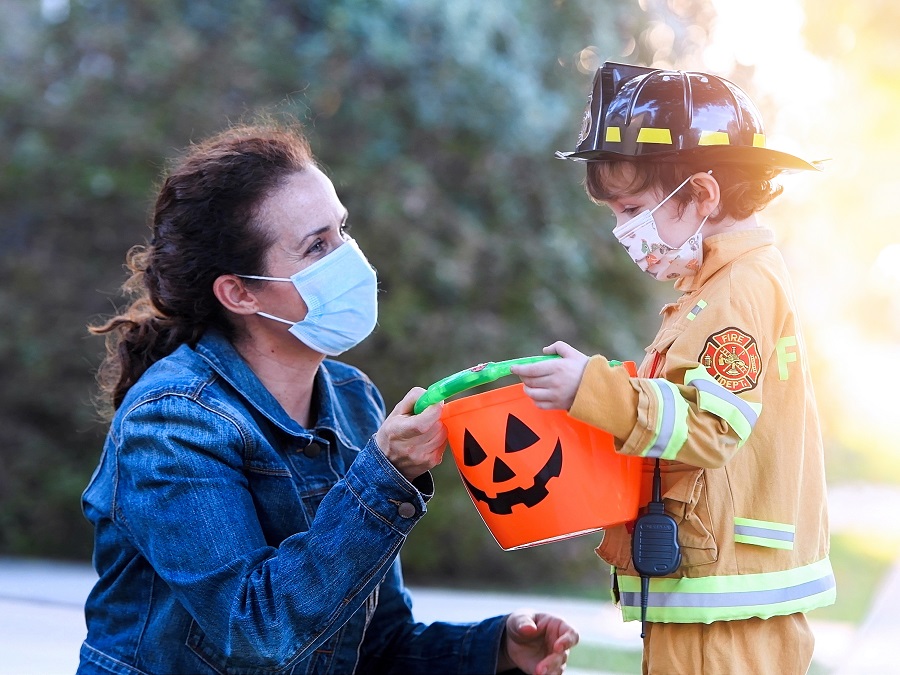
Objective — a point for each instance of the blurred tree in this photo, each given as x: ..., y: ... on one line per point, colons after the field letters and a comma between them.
x: 437, y: 121
x: 854, y: 211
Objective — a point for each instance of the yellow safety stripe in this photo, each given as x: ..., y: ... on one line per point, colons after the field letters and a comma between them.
x: 714, y: 138
x: 664, y: 136
x: 729, y: 597
x: 741, y: 415
x: 651, y: 135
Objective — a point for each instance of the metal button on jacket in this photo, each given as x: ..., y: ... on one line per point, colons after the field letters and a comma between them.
x: 406, y: 510
x: 312, y: 450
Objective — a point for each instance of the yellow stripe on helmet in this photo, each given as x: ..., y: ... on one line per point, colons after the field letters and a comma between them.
x: 651, y: 135
x: 714, y: 138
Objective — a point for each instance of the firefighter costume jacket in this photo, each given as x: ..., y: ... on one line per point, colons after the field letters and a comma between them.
x: 724, y: 399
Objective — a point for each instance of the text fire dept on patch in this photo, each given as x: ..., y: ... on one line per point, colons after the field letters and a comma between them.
x: 731, y: 357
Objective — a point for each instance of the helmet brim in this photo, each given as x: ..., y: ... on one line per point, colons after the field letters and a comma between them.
x: 774, y: 159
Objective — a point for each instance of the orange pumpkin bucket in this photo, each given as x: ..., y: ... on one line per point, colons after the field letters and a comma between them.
x: 535, y: 476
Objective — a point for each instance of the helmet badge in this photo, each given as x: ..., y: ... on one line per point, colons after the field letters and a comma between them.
x: 585, y: 121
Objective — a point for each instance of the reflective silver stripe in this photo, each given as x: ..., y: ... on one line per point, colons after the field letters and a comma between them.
x: 731, y: 596
x: 763, y: 532
x: 696, y: 310
x: 666, y: 422
x: 721, y: 392
x: 671, y: 427
x: 734, y: 598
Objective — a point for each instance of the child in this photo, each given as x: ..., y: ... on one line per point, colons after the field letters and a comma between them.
x: 723, y: 402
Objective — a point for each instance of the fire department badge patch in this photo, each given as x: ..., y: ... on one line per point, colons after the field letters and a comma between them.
x: 585, y: 122
x: 731, y: 357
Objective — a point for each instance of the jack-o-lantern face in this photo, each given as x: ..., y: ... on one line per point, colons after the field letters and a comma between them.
x: 519, y: 438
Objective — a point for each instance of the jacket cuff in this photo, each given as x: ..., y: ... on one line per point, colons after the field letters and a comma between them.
x: 480, y: 648
x: 385, y: 491
x: 606, y: 398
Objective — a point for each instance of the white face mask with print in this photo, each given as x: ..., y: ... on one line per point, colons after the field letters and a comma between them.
x: 340, y: 292
x: 641, y: 239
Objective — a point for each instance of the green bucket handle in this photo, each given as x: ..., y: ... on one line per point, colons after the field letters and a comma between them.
x: 483, y: 373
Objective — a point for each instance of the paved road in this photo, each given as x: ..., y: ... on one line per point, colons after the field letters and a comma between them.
x: 41, y: 622
x: 42, y: 626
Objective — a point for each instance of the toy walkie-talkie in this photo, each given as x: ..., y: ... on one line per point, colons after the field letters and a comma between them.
x: 654, y: 545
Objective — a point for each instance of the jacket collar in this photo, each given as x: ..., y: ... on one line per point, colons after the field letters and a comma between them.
x: 221, y: 355
x: 721, y: 249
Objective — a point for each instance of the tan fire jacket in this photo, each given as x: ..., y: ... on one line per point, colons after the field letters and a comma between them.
x: 724, y: 399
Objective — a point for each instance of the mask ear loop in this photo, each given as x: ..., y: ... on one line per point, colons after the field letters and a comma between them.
x: 672, y: 194
x: 276, y: 318
x: 260, y: 278
x: 705, y: 218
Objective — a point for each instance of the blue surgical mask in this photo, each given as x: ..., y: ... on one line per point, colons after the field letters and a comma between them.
x: 340, y: 291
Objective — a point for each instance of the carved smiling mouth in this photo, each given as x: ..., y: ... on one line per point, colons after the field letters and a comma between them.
x: 504, y: 501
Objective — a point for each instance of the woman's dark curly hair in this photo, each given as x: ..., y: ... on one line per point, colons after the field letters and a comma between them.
x: 204, y: 225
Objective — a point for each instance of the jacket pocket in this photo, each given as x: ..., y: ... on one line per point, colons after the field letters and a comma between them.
x: 218, y: 663
x: 685, y: 498
x: 108, y: 664
x: 615, y: 547
x: 197, y: 643
x: 652, y: 365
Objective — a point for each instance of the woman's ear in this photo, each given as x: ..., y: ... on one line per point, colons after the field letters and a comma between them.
x: 234, y: 296
x: 706, y: 192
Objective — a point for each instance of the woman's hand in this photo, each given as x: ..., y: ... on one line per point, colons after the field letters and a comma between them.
x: 413, y: 443
x: 553, y: 384
x: 536, y: 643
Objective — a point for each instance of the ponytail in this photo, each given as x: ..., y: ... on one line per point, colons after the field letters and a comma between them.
x: 204, y: 225
x: 137, y: 338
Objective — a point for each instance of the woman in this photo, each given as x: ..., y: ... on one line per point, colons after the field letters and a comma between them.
x: 252, y: 498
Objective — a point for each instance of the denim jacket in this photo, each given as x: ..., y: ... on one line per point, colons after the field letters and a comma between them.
x: 229, y: 539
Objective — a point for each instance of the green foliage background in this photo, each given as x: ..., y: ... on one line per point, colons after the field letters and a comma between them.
x: 436, y: 120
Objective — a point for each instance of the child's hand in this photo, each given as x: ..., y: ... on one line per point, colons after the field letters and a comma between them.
x: 552, y: 384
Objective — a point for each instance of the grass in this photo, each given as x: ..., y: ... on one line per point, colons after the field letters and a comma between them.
x: 860, y: 562
x: 606, y: 659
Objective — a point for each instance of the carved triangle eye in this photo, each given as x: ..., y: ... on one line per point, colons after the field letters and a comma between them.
x: 518, y: 435
x: 473, y: 454
x: 501, y: 471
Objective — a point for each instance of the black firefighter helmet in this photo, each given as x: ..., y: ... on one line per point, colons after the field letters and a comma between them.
x: 636, y: 113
